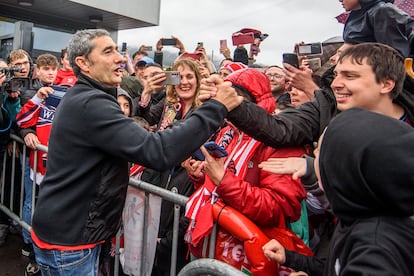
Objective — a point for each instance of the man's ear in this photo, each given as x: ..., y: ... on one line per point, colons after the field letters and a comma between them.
x: 387, y: 86
x: 83, y: 63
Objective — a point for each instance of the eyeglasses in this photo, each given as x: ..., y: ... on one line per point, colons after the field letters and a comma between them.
x: 21, y: 64
x: 276, y: 76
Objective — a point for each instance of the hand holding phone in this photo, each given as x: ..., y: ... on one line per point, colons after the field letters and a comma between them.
x: 213, y: 149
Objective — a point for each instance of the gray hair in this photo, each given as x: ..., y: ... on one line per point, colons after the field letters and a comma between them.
x: 81, y: 45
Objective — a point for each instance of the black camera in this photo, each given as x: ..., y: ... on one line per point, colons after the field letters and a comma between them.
x: 14, y: 83
x: 9, y: 71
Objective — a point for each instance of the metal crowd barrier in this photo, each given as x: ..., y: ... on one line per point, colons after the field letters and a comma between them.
x: 209, y: 267
x: 197, y: 267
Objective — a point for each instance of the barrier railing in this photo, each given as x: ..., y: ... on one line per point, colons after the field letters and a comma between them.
x: 209, y: 267
x: 212, y: 267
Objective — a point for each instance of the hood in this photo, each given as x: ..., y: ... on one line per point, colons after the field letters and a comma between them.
x: 132, y: 85
x: 366, y: 163
x: 366, y: 4
x: 120, y: 92
x: 257, y: 83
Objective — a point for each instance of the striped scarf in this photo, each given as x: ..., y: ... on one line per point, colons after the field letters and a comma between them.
x: 199, y: 206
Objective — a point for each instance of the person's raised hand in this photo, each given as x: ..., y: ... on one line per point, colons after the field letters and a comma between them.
x: 296, y: 166
x: 215, y: 88
x: 151, y: 85
x: 226, y: 52
x: 300, y: 79
x: 214, y: 167
x: 194, y: 167
x: 179, y: 45
x: 158, y: 45
x: 43, y: 92
x: 155, y: 82
x: 208, y: 88
x: 227, y: 95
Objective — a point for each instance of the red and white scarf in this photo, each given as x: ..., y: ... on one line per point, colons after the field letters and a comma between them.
x: 136, y: 171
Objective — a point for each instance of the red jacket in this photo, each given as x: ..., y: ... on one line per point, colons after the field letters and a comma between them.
x: 267, y: 199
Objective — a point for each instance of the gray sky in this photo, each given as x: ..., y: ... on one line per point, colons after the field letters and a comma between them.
x: 286, y: 22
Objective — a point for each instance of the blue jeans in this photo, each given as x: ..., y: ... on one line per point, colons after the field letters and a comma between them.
x: 69, y: 262
x: 27, y: 204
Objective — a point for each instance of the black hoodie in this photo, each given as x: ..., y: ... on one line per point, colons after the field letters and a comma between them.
x: 367, y: 172
x: 380, y: 21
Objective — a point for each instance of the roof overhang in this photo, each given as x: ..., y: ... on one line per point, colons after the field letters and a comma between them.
x: 72, y: 15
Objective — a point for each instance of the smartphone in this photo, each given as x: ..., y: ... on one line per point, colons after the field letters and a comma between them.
x: 223, y: 43
x: 147, y: 48
x: 172, y: 78
x: 124, y: 47
x: 310, y: 49
x: 168, y: 41
x: 213, y: 149
x: 191, y: 55
x: 200, y: 44
x: 239, y: 39
x: 291, y: 59
x: 198, y: 155
x: 313, y: 63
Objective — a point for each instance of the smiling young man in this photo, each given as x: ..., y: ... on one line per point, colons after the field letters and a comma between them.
x: 379, y: 88
x: 83, y: 192
x: 366, y: 81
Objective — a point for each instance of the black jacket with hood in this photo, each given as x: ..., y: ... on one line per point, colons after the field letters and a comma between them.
x: 366, y: 169
x: 381, y: 21
x: 82, y: 195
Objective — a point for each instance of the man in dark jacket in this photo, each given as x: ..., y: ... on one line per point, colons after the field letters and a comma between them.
x: 379, y: 21
x: 82, y: 196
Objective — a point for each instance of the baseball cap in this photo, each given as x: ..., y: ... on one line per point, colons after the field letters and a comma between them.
x: 143, y: 61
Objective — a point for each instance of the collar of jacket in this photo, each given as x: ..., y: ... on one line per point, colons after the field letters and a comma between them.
x: 98, y: 85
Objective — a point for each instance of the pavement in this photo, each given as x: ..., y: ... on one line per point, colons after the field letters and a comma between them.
x: 12, y: 262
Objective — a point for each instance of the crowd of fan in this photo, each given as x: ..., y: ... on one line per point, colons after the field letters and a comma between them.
x: 319, y: 159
